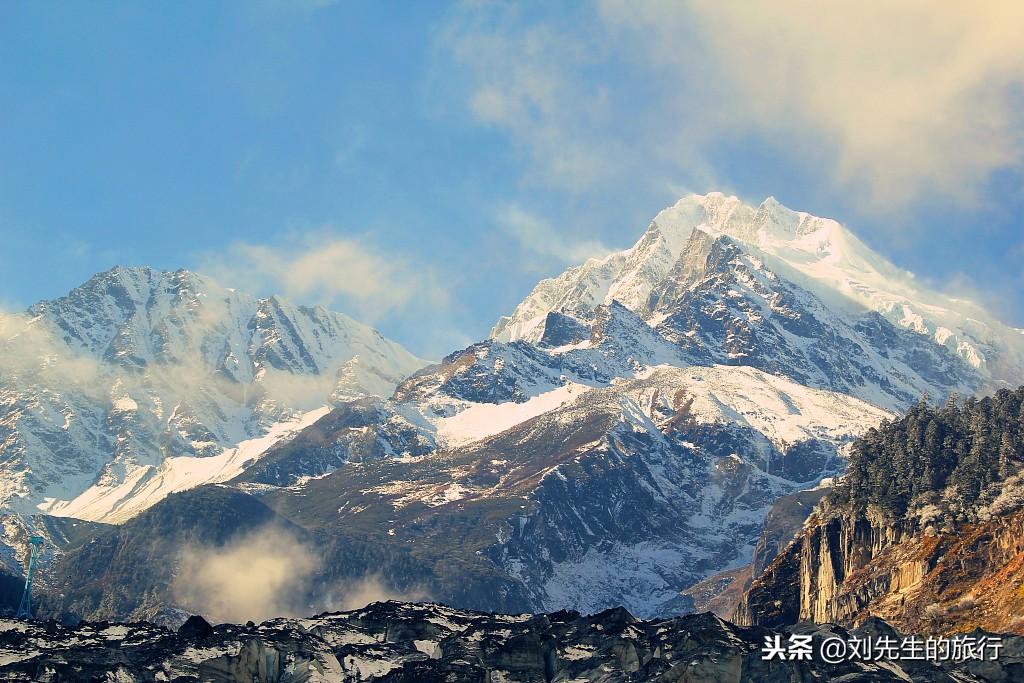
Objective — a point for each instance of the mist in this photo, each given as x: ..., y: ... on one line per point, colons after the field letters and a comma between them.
x: 32, y: 352
x: 358, y: 593
x: 263, y: 574
x: 270, y: 573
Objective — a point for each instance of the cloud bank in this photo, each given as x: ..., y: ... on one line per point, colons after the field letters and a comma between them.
x: 897, y: 100
x: 268, y: 573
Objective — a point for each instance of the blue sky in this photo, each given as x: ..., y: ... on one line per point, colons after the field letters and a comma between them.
x: 427, y: 163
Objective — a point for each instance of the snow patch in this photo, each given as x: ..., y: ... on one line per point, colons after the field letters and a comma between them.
x: 148, y: 485
x: 481, y: 420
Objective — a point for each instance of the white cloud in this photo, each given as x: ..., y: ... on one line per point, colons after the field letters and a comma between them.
x: 268, y: 573
x: 914, y: 95
x: 536, y: 235
x: 31, y: 352
x: 258, y: 576
x: 330, y: 270
x: 895, y: 100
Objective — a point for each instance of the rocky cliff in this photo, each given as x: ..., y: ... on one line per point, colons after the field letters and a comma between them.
x: 926, y: 530
x: 919, y: 576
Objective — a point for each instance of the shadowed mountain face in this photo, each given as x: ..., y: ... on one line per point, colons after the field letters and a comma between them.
x: 396, y: 642
x: 130, y: 569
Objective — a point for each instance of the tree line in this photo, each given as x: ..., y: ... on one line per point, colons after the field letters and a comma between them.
x: 954, y: 454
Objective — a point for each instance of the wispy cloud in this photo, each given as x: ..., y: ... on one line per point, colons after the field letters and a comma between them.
x: 337, y: 271
x: 30, y: 351
x: 914, y: 96
x: 524, y: 82
x: 361, y: 592
x: 539, y: 237
x: 899, y: 101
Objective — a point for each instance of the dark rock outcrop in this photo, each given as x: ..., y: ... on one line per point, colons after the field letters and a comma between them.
x: 196, y: 628
x: 396, y: 642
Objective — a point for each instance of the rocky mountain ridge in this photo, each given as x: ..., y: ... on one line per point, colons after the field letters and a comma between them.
x: 400, y: 643
x: 621, y: 450
x: 793, y: 273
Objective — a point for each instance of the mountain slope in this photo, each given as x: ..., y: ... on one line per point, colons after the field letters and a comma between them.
x: 136, y: 366
x: 624, y: 494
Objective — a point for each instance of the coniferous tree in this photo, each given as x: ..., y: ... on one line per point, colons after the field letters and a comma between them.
x: 959, y: 451
x: 1007, y: 456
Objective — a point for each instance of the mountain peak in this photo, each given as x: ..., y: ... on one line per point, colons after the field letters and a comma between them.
x: 771, y: 222
x: 818, y: 255
x: 137, y: 282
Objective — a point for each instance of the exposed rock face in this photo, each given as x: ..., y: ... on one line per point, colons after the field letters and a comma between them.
x: 782, y: 524
x: 926, y: 529
x: 917, y: 576
x: 405, y: 643
x: 773, y: 599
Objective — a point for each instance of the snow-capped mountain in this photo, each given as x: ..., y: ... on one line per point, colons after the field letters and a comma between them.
x: 143, y: 378
x: 618, y: 439
x: 712, y: 265
x: 669, y: 476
